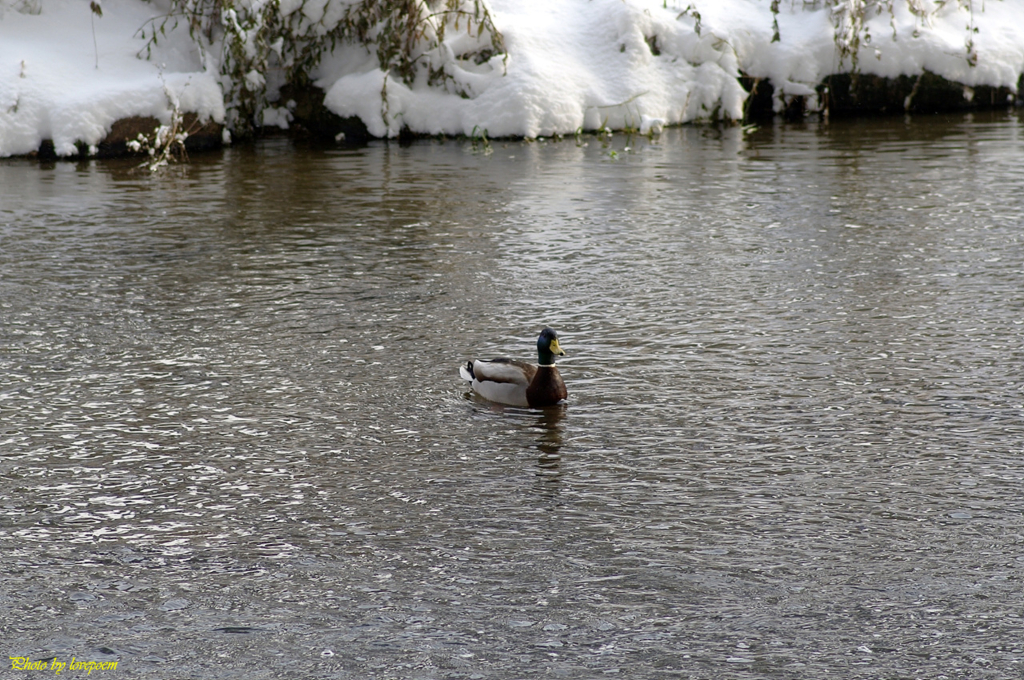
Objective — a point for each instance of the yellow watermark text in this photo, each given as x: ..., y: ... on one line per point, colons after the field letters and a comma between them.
x: 24, y: 663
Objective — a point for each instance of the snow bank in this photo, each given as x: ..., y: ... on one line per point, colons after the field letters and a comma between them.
x: 57, y: 83
x: 901, y: 43
x: 570, y: 65
x: 585, y: 64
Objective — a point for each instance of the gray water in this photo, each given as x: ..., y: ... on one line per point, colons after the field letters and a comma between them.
x: 234, y: 442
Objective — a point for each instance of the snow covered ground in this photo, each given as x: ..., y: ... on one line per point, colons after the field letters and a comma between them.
x: 57, y: 83
x: 67, y: 74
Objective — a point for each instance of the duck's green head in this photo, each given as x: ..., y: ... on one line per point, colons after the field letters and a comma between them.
x: 548, y: 347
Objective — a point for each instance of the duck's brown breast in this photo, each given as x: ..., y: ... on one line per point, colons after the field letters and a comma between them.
x: 546, y: 388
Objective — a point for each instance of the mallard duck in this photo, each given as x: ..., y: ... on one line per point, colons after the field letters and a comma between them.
x: 518, y: 383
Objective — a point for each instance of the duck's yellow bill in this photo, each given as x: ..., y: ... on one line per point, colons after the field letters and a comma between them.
x: 556, y: 348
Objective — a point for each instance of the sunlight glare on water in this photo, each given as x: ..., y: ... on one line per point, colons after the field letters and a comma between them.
x: 234, y: 442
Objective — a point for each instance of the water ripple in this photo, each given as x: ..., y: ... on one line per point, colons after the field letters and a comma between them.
x: 232, y: 425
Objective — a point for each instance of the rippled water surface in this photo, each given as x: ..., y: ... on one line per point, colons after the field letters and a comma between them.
x: 234, y: 443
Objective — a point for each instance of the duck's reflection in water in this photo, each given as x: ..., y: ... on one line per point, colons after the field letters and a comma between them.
x: 549, y: 441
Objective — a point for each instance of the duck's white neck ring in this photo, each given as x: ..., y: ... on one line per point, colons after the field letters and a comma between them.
x: 545, y: 365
